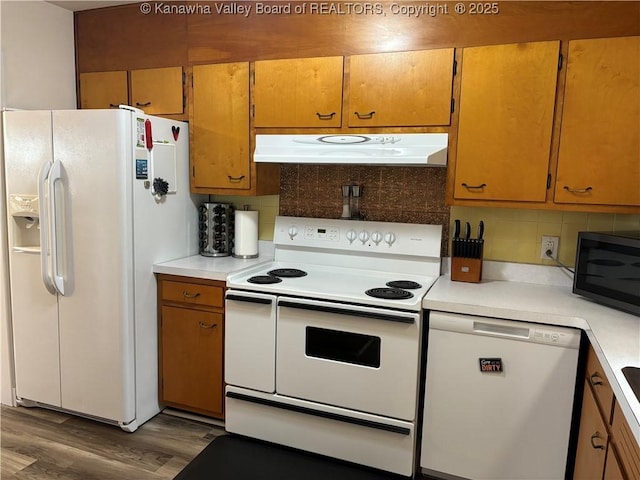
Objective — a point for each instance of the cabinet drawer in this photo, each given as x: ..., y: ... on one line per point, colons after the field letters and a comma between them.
x: 192, y: 294
x: 600, y: 385
x: 593, y: 440
x: 626, y: 445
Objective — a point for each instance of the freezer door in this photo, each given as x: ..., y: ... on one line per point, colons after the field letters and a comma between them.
x: 28, y: 145
x: 93, y: 240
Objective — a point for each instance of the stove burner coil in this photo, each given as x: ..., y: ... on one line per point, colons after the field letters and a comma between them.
x: 389, y: 293
x: 264, y: 279
x: 287, y: 272
x: 404, y: 284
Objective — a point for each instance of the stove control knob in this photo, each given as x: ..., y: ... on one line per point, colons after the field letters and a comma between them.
x: 390, y: 238
x: 351, y: 236
x: 293, y: 231
x: 363, y: 236
x: 376, y: 237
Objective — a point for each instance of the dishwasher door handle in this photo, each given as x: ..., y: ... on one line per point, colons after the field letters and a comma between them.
x: 501, y: 330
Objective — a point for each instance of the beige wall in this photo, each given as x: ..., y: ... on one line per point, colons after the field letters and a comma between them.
x: 514, y: 235
x: 267, y: 206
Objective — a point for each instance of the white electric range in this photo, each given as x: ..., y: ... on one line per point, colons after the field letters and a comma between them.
x: 323, y: 345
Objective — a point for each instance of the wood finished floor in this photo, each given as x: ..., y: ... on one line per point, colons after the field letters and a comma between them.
x: 42, y: 444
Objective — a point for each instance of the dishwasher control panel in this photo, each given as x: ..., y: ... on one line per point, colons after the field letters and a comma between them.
x: 555, y: 337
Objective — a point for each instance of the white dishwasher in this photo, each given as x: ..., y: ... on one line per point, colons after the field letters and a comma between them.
x: 498, y: 398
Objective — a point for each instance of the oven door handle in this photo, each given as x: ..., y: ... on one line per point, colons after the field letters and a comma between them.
x: 317, y: 413
x: 240, y: 298
x: 343, y: 311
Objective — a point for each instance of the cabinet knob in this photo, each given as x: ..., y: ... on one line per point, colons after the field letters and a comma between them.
x: 578, y: 190
x: 204, y: 325
x: 146, y: 104
x: 235, y: 179
x: 325, y: 116
x: 595, y: 379
x: 190, y: 295
x: 364, y: 116
x: 474, y: 187
x: 594, y: 437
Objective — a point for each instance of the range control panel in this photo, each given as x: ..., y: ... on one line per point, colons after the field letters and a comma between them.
x: 386, y: 237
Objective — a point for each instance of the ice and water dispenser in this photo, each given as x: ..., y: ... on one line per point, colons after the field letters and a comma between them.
x: 25, y: 213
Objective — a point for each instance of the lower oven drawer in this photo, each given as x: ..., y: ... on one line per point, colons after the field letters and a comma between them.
x: 250, y: 340
x: 356, y: 357
x: 371, y: 440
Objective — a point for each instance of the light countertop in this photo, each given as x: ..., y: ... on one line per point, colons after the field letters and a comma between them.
x: 214, y: 268
x: 515, y: 295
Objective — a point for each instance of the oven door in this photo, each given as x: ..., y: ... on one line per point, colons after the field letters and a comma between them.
x: 356, y: 357
x: 250, y: 340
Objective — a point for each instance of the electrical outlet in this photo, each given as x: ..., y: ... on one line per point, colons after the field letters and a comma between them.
x: 549, y: 243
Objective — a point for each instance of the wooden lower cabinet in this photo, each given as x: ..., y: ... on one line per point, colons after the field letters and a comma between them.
x: 607, y: 449
x: 592, y: 440
x: 191, y: 344
x: 612, y: 470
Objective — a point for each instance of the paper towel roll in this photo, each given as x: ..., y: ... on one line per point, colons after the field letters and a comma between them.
x: 246, y: 236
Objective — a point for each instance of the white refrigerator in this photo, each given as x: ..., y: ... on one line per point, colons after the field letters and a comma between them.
x: 94, y: 199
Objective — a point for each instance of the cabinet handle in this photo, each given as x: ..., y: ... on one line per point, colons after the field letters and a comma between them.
x: 204, y: 325
x: 325, y: 116
x: 364, y: 116
x: 595, y: 436
x: 474, y: 187
x: 190, y: 295
x: 578, y: 190
x: 138, y: 104
x: 113, y: 105
x: 593, y: 380
x: 235, y: 179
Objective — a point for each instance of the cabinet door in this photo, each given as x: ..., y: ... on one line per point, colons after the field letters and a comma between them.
x: 220, y: 126
x: 599, y: 159
x: 158, y: 91
x: 400, y: 89
x: 612, y: 470
x: 302, y: 92
x: 592, y: 440
x: 103, y: 89
x: 192, y: 356
x: 507, y: 103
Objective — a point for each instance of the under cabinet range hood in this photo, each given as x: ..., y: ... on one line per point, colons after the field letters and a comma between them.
x: 399, y: 149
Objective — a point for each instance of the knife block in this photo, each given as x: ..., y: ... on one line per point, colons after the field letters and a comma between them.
x: 467, y: 269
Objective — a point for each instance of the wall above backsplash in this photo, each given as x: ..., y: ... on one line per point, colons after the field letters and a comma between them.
x: 389, y: 194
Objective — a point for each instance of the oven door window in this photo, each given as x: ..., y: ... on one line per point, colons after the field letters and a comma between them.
x: 340, y: 346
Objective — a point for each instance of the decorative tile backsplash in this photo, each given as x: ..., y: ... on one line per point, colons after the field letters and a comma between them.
x: 417, y: 195
x: 514, y: 235
x: 388, y: 194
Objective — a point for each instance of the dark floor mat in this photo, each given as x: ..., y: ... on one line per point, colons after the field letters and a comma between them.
x: 237, y: 458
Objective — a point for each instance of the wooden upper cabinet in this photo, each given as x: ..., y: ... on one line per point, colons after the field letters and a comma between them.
x: 103, y: 89
x: 158, y: 91
x: 599, y: 157
x: 301, y: 92
x: 506, y: 113
x: 400, y: 88
x: 220, y: 156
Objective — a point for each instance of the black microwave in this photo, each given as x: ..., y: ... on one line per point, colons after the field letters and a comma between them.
x: 608, y: 269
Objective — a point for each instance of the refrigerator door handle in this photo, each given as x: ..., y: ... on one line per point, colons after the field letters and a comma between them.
x: 45, y: 264
x: 55, y: 175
